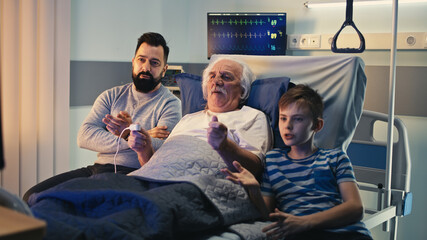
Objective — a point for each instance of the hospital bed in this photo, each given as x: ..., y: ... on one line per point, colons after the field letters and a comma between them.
x: 341, y: 81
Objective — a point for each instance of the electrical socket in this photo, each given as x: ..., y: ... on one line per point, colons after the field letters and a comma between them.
x: 315, y: 41
x: 293, y: 41
x: 374, y: 41
x: 304, y: 41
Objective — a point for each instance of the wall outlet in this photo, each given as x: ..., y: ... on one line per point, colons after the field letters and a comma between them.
x: 293, y: 41
x: 304, y: 41
x: 315, y: 41
x: 374, y: 41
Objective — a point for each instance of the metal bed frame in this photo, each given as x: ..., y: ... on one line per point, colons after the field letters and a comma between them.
x: 370, y: 162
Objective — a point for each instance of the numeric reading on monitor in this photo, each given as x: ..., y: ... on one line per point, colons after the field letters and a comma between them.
x: 247, y: 33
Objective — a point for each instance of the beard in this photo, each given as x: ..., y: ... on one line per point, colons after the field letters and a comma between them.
x: 145, y: 85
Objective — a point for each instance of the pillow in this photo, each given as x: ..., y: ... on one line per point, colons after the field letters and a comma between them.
x: 191, y: 93
x: 264, y: 96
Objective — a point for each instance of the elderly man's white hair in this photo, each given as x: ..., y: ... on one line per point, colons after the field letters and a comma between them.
x: 245, y: 80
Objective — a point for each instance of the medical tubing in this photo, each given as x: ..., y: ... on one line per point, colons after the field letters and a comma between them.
x: 118, y: 146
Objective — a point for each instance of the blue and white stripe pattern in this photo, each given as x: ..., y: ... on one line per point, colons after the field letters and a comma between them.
x: 306, y: 186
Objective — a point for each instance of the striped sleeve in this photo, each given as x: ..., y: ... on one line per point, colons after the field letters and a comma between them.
x: 344, y: 169
x: 266, y: 188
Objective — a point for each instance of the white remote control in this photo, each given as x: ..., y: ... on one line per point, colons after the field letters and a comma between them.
x: 135, y: 127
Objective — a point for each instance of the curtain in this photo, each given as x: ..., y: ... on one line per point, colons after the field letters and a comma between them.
x: 35, y: 77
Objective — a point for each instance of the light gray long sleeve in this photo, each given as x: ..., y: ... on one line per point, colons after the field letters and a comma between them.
x: 159, y: 108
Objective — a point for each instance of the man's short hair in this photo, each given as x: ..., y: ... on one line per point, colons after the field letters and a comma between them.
x: 245, y: 80
x: 303, y: 95
x: 154, y: 39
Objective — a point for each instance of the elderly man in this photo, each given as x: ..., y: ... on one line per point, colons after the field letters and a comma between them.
x: 235, y: 131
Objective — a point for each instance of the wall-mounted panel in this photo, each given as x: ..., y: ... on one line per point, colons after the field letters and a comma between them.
x: 90, y: 78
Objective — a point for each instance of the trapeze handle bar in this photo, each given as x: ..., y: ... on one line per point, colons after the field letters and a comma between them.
x: 348, y: 22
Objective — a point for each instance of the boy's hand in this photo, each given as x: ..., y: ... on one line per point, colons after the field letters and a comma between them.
x: 286, y: 224
x: 243, y: 176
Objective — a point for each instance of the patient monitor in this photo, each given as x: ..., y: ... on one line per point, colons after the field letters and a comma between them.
x: 246, y: 33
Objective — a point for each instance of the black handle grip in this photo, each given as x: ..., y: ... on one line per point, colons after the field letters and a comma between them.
x: 348, y: 22
x: 348, y: 50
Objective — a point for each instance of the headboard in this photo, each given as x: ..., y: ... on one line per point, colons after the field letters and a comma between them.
x: 339, y: 79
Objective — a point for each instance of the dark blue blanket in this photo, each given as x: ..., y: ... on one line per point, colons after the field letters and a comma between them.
x: 114, y: 206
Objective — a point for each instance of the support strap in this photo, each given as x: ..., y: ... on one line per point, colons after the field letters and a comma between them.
x: 348, y: 22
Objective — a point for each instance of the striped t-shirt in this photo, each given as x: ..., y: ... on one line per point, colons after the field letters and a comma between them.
x: 310, y: 185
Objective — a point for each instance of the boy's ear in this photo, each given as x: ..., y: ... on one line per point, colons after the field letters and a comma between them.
x: 319, y: 125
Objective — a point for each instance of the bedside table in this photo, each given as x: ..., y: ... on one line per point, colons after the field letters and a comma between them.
x: 15, y: 225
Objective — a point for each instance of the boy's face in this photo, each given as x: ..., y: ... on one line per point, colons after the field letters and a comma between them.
x: 296, y: 125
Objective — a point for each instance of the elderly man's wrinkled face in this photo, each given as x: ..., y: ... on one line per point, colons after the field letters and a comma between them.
x: 223, y: 87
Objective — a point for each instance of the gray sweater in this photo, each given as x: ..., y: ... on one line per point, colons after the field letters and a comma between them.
x: 159, y: 108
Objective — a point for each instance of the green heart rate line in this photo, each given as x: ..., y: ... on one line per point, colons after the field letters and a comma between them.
x: 244, y: 48
x: 239, y: 35
x: 246, y: 22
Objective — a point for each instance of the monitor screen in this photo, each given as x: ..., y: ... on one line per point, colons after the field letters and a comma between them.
x: 247, y: 33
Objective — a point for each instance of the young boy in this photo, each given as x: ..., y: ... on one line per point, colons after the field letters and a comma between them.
x: 315, y: 189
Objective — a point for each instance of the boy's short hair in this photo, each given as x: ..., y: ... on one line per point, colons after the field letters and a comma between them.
x: 303, y: 95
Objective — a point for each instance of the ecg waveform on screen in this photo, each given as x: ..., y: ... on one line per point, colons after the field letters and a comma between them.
x: 240, y: 21
x: 247, y: 35
x: 237, y: 35
x: 251, y: 48
x: 259, y: 34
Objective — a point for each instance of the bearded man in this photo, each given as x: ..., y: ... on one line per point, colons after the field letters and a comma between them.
x: 145, y: 101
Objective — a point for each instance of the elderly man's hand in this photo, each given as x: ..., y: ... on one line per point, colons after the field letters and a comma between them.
x: 217, y: 134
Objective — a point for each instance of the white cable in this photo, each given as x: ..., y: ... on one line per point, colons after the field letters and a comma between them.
x: 132, y: 127
x: 118, y: 146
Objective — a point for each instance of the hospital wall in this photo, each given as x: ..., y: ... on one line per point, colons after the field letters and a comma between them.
x: 104, y: 33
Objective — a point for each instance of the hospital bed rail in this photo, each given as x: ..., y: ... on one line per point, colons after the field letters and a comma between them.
x: 368, y: 156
